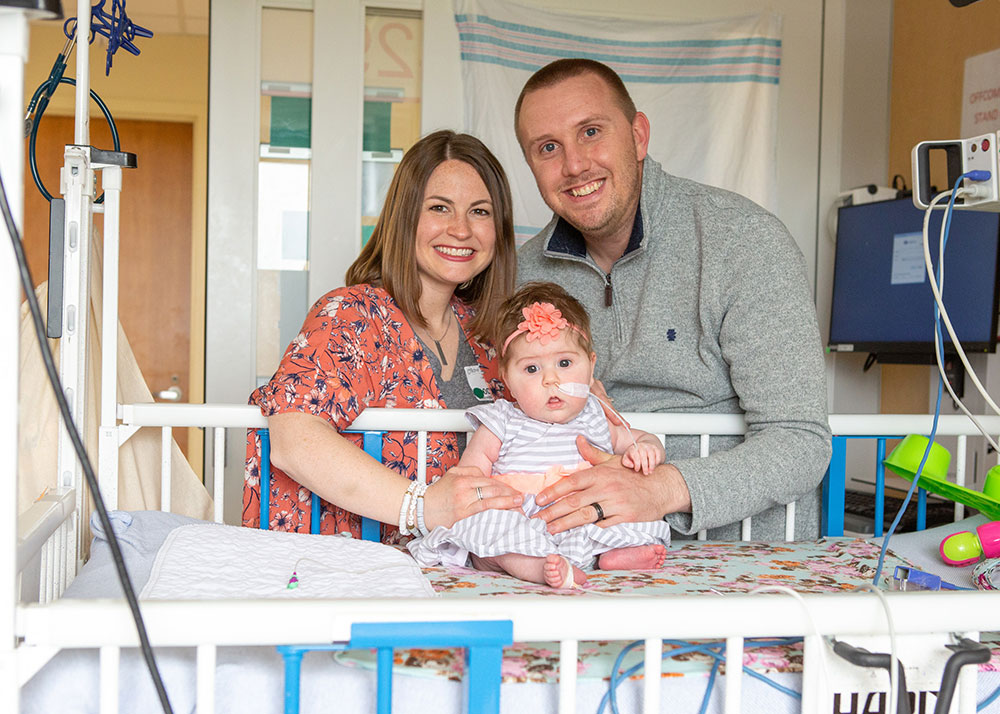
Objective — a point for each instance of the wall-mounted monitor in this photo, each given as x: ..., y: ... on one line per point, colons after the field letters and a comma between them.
x: 882, y: 301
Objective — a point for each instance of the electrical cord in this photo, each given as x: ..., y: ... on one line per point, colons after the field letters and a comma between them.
x: 893, y: 651
x: 805, y: 607
x: 40, y: 101
x: 938, y: 349
x: 682, y: 648
x: 989, y: 700
x: 88, y: 470
x: 939, y: 302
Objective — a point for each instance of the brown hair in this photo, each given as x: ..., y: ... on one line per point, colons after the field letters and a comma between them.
x: 563, y: 69
x: 389, y: 257
x: 529, y: 293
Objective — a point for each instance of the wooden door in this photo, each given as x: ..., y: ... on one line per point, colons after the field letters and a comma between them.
x: 155, y: 238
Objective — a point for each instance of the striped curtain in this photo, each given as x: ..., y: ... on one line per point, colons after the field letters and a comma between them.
x: 710, y: 90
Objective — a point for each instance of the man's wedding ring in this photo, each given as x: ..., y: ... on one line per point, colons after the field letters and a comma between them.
x: 598, y: 510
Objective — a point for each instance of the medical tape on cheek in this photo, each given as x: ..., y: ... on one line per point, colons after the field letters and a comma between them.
x: 574, y: 389
x: 578, y: 389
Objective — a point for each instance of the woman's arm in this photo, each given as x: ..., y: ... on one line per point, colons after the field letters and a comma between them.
x: 314, y: 454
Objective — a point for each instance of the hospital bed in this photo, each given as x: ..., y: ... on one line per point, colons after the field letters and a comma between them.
x: 218, y: 653
x: 223, y: 646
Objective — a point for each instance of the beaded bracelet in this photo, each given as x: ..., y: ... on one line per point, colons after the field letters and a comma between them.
x: 404, y: 507
x: 411, y: 513
x: 421, y: 526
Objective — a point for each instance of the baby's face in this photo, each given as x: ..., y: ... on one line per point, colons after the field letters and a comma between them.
x: 535, y: 371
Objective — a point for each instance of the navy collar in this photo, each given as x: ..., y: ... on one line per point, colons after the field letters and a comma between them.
x: 568, y: 240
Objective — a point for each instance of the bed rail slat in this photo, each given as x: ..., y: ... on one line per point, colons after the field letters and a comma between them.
x: 110, y: 660
x: 960, y: 465
x: 422, y: 456
x: 206, y: 679
x: 652, y: 657
x: 790, y: 521
x: 814, y: 684
x: 703, y: 452
x: 48, y: 568
x: 569, y: 653
x: 165, y: 441
x: 218, y: 471
x: 734, y: 674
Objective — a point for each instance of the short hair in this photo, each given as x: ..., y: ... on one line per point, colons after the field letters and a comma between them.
x: 389, y: 257
x: 563, y: 69
x: 529, y: 293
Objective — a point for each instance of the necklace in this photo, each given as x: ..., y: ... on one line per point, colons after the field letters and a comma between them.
x: 437, y: 341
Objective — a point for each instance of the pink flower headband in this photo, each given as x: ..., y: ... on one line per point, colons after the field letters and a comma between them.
x: 542, y: 322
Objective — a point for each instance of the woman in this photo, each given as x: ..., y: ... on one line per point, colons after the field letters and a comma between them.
x: 404, y: 333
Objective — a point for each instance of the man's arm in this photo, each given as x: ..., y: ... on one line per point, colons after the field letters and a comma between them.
x: 770, y: 339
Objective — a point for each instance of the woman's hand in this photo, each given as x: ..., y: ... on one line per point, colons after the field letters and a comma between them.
x: 463, y: 491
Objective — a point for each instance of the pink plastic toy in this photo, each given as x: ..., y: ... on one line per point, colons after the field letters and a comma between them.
x: 966, y: 548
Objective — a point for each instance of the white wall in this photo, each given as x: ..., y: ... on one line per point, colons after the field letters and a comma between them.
x: 861, y: 142
x: 864, y: 159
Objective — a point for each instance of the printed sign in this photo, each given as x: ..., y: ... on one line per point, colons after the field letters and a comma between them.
x: 981, y: 95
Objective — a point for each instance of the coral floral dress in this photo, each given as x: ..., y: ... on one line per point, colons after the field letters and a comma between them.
x: 355, y: 350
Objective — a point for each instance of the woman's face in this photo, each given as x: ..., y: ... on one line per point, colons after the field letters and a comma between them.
x: 456, y: 234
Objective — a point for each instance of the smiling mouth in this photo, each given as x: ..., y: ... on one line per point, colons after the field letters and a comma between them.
x: 454, y: 252
x: 586, y: 189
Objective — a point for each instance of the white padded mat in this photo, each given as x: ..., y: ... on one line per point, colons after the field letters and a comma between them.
x: 211, y: 561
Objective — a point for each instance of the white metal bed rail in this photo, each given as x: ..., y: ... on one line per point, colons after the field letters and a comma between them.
x: 208, y: 625
x: 106, y: 625
x: 219, y: 417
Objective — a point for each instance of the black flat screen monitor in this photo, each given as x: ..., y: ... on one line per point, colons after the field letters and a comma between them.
x: 882, y: 300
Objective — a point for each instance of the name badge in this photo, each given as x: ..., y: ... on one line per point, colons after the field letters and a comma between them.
x: 481, y: 391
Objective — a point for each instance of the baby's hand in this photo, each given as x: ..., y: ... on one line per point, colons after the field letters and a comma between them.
x: 643, y: 456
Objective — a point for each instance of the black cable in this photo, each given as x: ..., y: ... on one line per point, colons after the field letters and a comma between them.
x: 39, y: 102
x: 88, y: 470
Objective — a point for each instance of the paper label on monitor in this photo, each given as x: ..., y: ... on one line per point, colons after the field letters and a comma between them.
x: 907, y: 259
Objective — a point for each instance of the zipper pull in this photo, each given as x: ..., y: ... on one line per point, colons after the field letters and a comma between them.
x: 607, y: 290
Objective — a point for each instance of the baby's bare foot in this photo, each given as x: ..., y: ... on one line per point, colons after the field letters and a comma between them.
x: 560, y: 573
x: 639, y: 557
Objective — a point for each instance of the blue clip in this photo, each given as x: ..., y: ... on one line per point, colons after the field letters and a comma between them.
x: 116, y: 27
x: 907, y: 578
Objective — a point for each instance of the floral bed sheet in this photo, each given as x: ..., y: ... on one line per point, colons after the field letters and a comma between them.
x: 694, y: 568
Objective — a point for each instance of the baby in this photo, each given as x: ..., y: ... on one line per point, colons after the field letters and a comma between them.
x: 547, y: 362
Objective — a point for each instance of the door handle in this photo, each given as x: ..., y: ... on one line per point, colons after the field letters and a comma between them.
x: 171, y: 394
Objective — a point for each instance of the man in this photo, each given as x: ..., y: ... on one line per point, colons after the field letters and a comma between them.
x: 699, y: 303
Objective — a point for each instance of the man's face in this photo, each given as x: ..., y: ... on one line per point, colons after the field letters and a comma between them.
x: 585, y: 155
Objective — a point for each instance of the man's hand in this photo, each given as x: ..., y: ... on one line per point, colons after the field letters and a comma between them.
x: 623, y: 496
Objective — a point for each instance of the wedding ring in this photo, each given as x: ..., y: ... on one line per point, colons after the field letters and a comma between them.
x: 479, y: 492
x: 597, y: 509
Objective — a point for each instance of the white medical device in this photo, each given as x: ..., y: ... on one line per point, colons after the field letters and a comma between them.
x: 978, y: 153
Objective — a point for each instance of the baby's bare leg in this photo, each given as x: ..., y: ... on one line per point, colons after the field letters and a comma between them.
x: 553, y: 570
x: 639, y: 557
